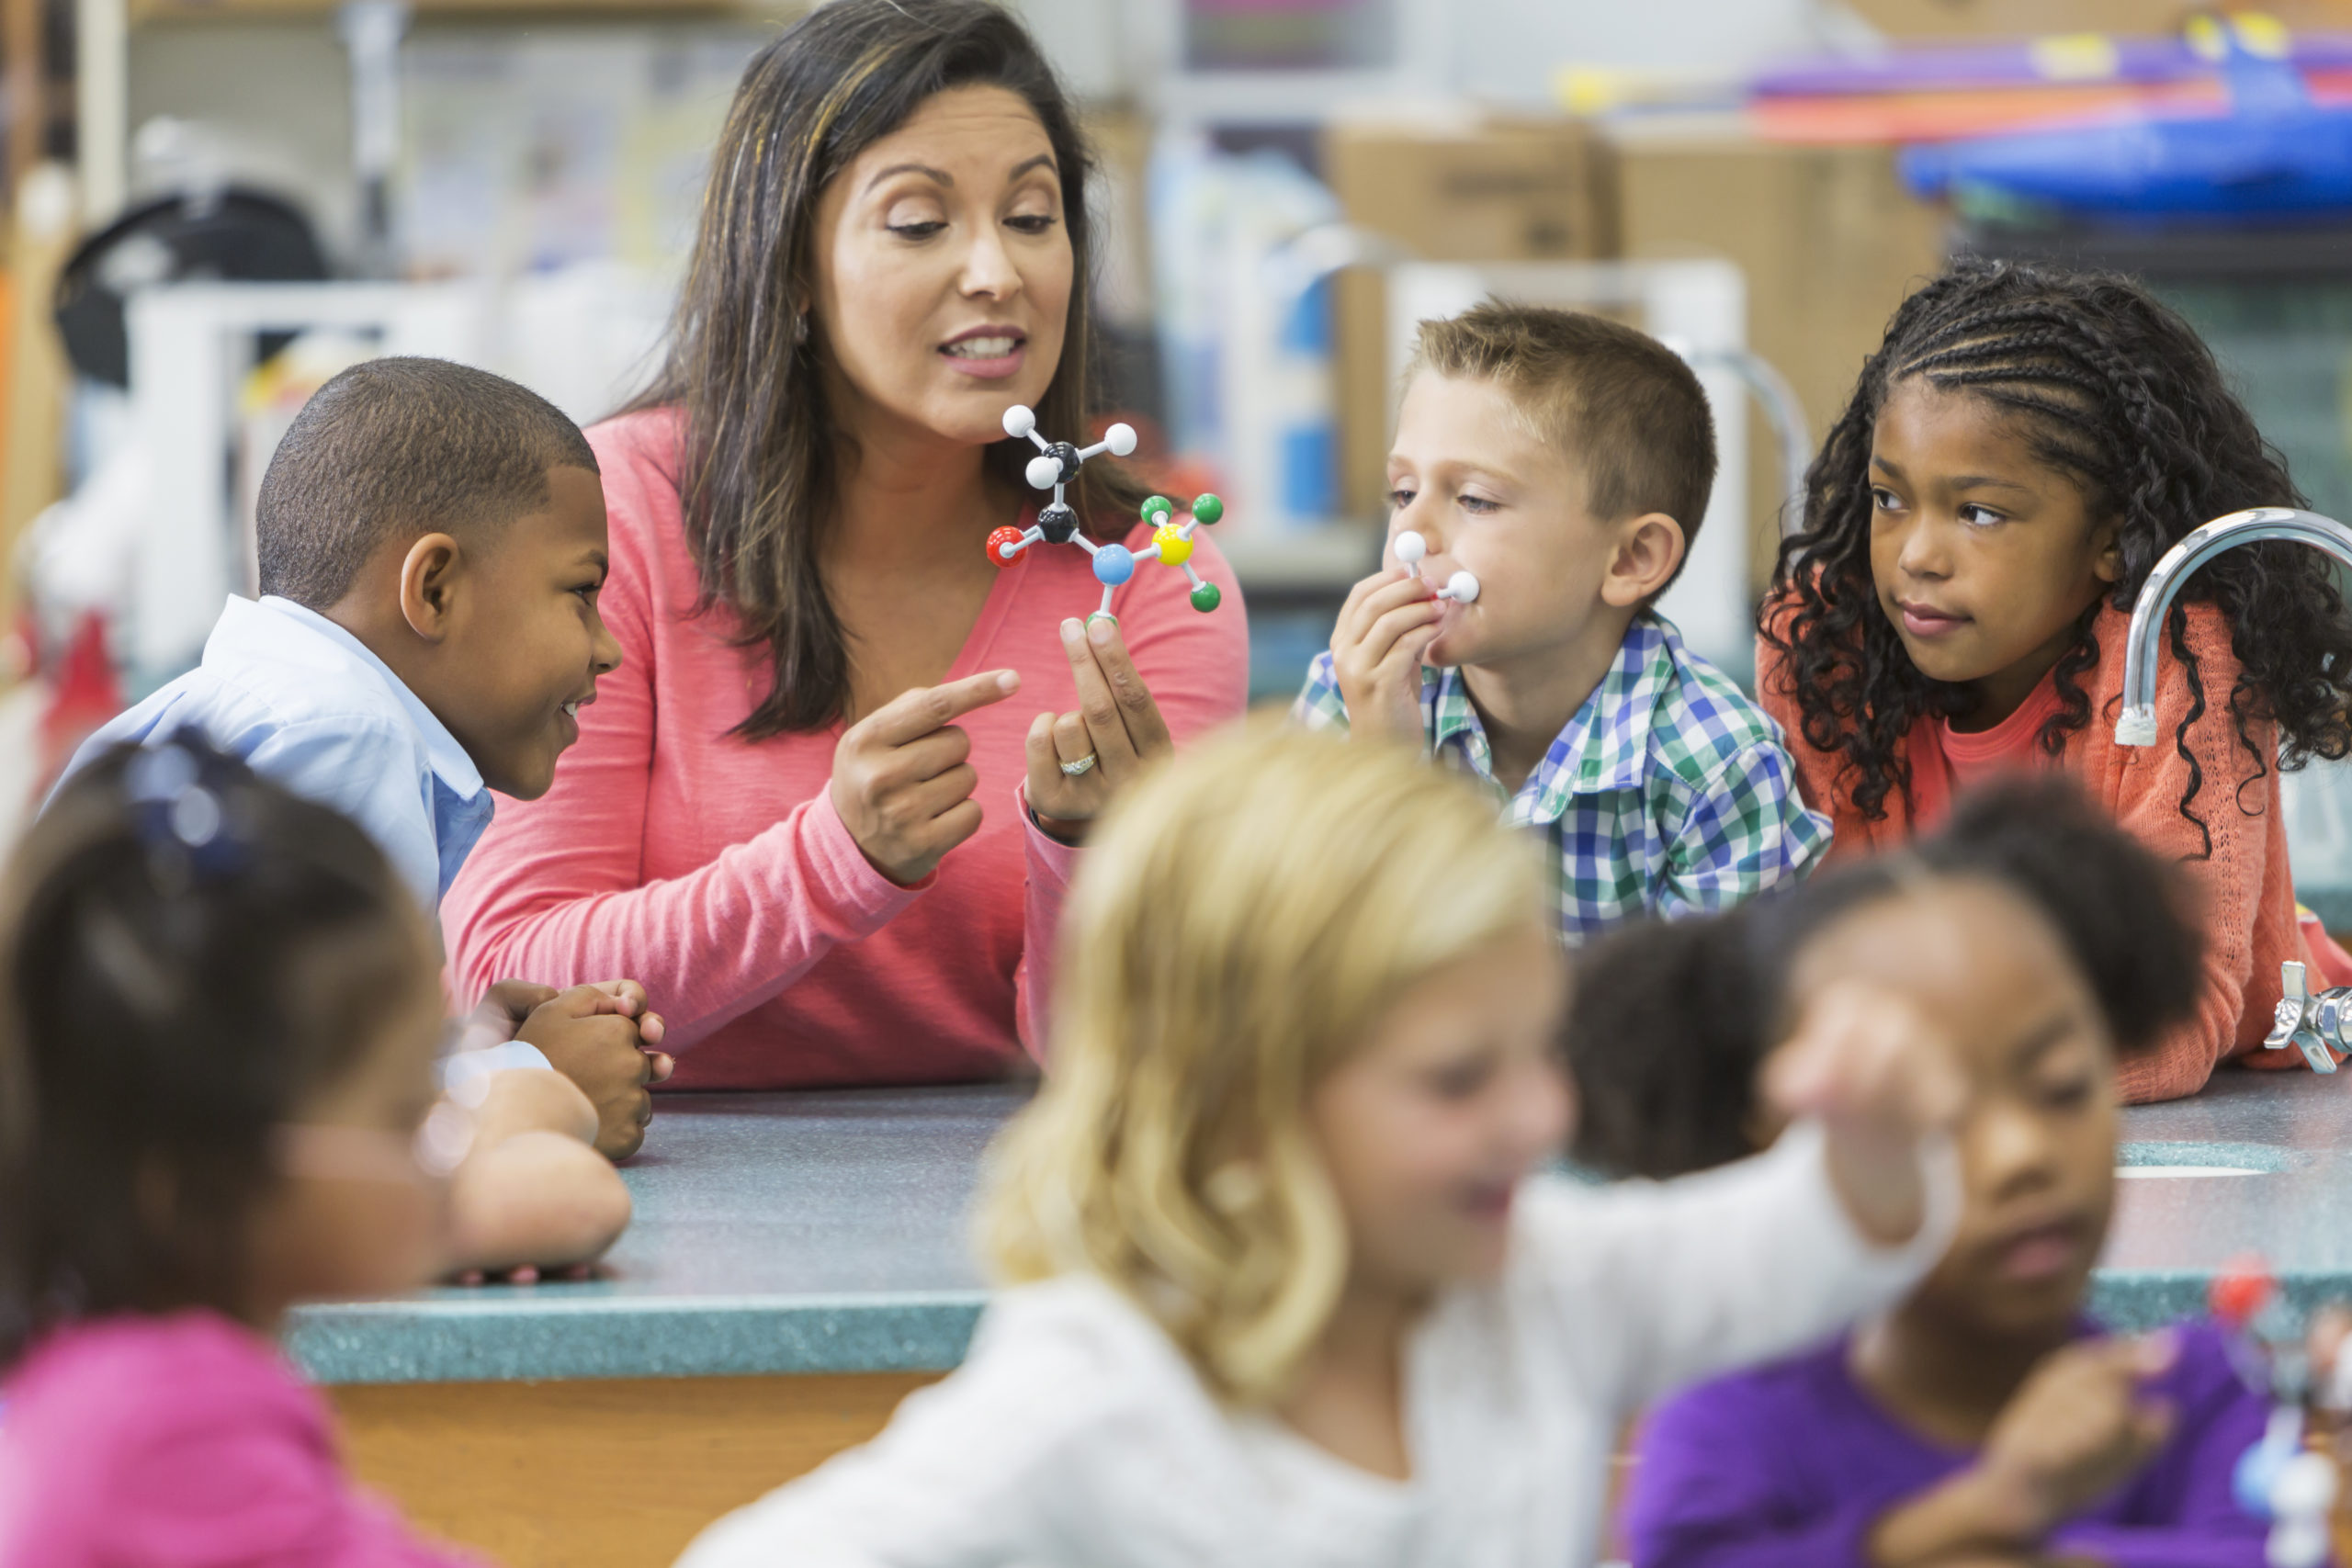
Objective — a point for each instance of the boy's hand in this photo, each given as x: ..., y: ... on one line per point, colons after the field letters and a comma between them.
x: 1118, y: 724
x: 1388, y: 622
x: 598, y: 1037
x: 901, y: 781
x: 503, y: 1009
x: 1875, y: 1071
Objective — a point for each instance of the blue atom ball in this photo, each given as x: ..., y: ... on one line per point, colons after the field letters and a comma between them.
x: 1113, y: 564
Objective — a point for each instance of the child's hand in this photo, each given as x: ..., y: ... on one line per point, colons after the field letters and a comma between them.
x: 1388, y: 622
x: 1118, y: 724
x: 503, y: 1009
x: 1875, y: 1071
x: 596, y: 1037
x: 2075, y: 1431
x: 532, y: 1196
x: 902, y: 783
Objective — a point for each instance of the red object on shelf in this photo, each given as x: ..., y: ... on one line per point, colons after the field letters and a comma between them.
x: 86, y: 693
x: 2242, y: 1289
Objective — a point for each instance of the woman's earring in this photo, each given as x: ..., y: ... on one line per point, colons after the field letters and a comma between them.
x: 800, y: 329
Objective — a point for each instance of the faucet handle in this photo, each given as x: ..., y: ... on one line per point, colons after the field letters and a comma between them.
x: 2288, y: 1017
x: 2313, y: 1025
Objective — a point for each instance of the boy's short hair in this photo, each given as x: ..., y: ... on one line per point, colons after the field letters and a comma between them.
x: 1619, y: 401
x: 402, y: 448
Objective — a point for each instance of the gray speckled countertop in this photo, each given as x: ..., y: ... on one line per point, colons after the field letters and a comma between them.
x: 826, y: 1232
x: 2289, y: 1135
x: 774, y: 1233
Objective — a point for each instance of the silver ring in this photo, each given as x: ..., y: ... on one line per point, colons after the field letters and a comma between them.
x: 1074, y: 769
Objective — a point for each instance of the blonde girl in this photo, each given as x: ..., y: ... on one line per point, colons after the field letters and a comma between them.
x: 1280, y: 1286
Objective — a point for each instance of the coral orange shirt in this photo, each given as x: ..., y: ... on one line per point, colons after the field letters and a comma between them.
x: 715, y: 869
x: 2251, y: 925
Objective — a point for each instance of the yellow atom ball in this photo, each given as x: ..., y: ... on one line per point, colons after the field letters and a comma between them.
x: 1174, y: 548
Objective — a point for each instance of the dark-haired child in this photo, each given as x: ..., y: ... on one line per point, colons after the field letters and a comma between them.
x: 1566, y: 460
x: 432, y: 542
x: 220, y: 1011
x: 1983, y: 1419
x: 2017, y: 455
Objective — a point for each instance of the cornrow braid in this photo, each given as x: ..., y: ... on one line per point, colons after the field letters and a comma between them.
x: 2119, y: 392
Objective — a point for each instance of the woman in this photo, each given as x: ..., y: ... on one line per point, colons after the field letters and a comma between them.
x: 802, y: 810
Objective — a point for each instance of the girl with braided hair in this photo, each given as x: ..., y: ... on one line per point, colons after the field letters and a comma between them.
x: 2020, y: 451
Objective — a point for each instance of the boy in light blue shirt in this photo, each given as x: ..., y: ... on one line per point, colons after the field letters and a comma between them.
x: 307, y: 705
x: 432, y: 540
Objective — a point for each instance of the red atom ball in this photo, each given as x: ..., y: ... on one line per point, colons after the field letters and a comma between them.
x: 2241, y: 1289
x: 999, y: 542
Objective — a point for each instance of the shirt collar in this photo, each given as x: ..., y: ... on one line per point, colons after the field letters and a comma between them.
x: 273, y: 625
x: 1606, y: 744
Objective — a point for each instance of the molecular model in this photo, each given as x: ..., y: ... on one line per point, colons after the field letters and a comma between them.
x: 2279, y: 1478
x: 1055, y: 466
x: 1412, y: 549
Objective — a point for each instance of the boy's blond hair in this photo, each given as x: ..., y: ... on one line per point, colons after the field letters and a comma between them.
x: 1621, y: 404
x: 1243, y: 921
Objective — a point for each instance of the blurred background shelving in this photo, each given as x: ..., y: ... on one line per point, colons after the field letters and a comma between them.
x: 1275, y: 168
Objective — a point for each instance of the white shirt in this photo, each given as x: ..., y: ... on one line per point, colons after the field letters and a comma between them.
x: 1076, y: 1434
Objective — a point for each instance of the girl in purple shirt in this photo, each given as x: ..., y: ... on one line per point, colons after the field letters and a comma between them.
x: 219, y: 1014
x: 1984, y: 1421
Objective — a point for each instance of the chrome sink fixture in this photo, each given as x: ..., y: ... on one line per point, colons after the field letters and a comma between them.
x: 2137, y: 723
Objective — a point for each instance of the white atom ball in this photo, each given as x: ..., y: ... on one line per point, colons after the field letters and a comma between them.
x: 1411, y: 548
x: 1120, y: 439
x: 1019, y: 421
x: 1462, y: 588
x: 2306, y: 1484
x: 1045, y: 471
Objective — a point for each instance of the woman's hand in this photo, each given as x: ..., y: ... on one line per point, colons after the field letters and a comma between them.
x: 1388, y: 622
x: 1117, y: 725
x: 1875, y: 1071
x: 903, y: 783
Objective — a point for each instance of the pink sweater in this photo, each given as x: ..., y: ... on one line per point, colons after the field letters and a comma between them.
x: 716, y: 870
x: 175, y: 1440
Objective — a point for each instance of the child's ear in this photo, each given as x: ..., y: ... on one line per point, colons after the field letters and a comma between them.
x: 1649, y: 548
x: 429, y: 573
x: 2107, y: 564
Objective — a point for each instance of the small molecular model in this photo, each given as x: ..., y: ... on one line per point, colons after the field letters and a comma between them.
x: 1055, y: 466
x: 2281, y: 1478
x: 1412, y: 549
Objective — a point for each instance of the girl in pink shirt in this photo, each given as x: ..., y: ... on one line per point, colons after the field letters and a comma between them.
x: 803, y: 809
x: 219, y: 1015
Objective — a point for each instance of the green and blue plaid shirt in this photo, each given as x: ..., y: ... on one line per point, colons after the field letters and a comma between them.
x: 1668, y: 792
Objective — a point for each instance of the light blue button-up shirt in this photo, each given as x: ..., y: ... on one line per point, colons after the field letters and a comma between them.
x: 308, y: 706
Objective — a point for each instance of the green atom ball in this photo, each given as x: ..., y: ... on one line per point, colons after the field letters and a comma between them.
x: 1207, y: 597
x: 1208, y: 508
x: 1157, y: 509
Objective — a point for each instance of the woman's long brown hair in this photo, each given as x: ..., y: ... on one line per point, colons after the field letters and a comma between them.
x: 761, y: 458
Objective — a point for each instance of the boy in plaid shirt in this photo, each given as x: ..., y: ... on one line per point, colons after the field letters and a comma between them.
x: 1566, y: 460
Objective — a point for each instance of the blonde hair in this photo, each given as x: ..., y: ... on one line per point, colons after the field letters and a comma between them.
x: 1243, y: 920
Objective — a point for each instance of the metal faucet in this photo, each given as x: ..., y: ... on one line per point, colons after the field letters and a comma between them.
x: 2137, y: 725
x: 2316, y: 1025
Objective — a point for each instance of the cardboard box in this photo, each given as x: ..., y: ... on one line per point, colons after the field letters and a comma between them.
x: 1828, y: 239
x: 1486, y: 189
